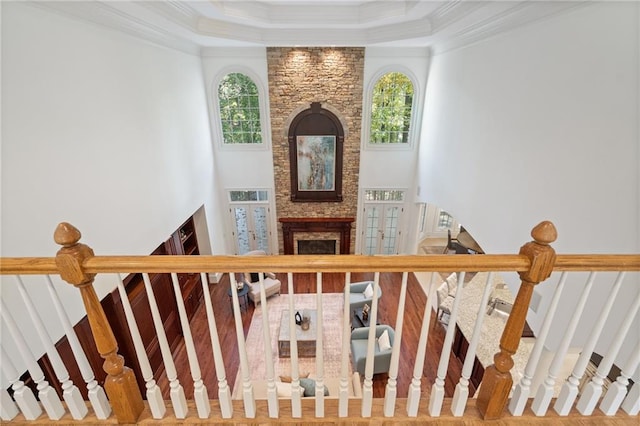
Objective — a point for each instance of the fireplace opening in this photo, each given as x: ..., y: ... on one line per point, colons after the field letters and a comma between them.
x: 316, y: 246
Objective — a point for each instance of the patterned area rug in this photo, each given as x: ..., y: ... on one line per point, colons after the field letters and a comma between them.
x: 332, y: 309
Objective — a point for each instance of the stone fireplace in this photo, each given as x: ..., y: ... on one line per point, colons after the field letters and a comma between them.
x: 318, y: 230
x: 297, y: 78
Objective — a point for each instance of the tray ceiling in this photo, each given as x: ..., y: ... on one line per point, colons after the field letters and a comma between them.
x: 192, y: 25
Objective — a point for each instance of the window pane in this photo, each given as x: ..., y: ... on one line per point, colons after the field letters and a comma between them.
x: 239, y: 109
x: 444, y: 220
x: 383, y: 195
x: 391, y: 109
x: 248, y: 196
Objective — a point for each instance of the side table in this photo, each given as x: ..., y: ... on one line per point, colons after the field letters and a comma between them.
x: 243, y: 297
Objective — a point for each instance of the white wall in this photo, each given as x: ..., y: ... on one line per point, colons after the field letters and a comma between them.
x: 101, y: 130
x: 393, y: 167
x: 241, y: 167
x: 542, y: 123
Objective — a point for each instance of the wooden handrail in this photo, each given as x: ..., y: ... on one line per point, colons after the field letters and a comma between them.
x: 322, y: 263
x: 120, y: 384
x: 497, y: 380
x: 77, y: 265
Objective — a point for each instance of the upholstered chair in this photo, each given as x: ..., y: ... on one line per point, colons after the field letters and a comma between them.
x: 272, y: 285
x: 381, y: 355
x: 357, y: 296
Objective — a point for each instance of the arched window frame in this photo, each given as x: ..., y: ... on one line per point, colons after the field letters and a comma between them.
x: 265, y: 125
x: 414, y: 122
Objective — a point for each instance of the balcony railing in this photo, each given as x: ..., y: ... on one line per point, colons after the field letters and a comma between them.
x: 503, y: 392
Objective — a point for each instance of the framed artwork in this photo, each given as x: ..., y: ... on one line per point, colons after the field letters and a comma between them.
x: 316, y: 139
x: 316, y: 163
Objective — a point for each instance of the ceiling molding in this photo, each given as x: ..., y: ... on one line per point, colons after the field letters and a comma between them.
x: 111, y: 18
x: 524, y: 13
x: 193, y: 25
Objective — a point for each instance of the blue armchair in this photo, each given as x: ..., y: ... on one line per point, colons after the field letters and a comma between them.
x: 381, y: 359
x: 356, y: 297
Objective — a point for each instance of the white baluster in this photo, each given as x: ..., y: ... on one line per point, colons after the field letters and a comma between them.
x: 70, y: 392
x: 319, y: 350
x: 272, y: 393
x: 461, y: 394
x: 523, y: 388
x: 153, y: 393
x: 47, y: 395
x: 95, y: 392
x: 8, y: 408
x: 176, y: 393
x: 413, y: 398
x: 367, y: 388
x: 247, y: 386
x: 200, y: 394
x: 592, y: 392
x: 343, y: 403
x: 391, y: 390
x: 224, y: 393
x: 296, y: 396
x: 569, y: 391
x: 618, y: 389
x: 437, y: 390
x: 631, y: 404
x: 23, y: 395
x: 545, y: 391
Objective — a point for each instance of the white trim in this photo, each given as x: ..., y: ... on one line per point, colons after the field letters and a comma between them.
x: 415, y: 109
x: 360, y: 218
x: 271, y: 217
x: 263, y: 100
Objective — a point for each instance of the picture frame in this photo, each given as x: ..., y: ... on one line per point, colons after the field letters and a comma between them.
x: 316, y: 139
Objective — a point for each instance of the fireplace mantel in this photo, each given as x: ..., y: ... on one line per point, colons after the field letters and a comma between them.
x: 290, y: 225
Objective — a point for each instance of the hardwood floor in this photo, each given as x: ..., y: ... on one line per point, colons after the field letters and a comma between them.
x: 306, y: 283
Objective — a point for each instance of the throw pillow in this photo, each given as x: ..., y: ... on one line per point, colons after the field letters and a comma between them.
x: 309, y: 386
x: 288, y: 379
x: 283, y: 389
x: 368, y: 292
x: 384, y: 343
x: 452, y: 284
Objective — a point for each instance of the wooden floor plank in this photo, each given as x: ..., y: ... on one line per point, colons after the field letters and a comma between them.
x: 306, y: 283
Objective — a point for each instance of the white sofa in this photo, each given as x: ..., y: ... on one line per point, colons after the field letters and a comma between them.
x: 284, y: 389
x: 271, y: 283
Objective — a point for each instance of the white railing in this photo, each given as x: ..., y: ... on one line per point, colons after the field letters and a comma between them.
x: 616, y: 401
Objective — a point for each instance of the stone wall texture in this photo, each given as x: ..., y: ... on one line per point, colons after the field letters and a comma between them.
x: 333, y: 77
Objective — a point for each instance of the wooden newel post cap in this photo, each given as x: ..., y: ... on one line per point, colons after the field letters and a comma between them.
x: 544, y: 233
x: 540, y: 253
x: 70, y: 257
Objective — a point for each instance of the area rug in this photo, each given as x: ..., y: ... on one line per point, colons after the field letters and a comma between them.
x: 332, y: 312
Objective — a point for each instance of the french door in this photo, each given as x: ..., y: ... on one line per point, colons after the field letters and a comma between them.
x: 382, y: 230
x: 251, y: 221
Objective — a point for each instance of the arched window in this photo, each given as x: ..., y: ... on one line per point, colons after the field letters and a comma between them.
x: 391, y: 107
x: 239, y: 109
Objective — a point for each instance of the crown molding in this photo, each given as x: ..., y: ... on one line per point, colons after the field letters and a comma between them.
x: 192, y: 26
x: 106, y: 16
x: 522, y: 14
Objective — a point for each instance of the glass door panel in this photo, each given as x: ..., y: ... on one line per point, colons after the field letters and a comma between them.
x: 261, y: 228
x: 382, y: 228
x: 251, y: 225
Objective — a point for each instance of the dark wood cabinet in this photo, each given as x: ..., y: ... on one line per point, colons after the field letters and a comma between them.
x: 185, y: 242
x: 459, y: 348
x: 182, y: 242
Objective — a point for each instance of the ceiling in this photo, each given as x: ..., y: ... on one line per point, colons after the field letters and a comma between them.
x: 193, y: 25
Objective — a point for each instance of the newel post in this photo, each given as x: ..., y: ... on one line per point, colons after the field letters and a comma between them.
x: 120, y: 383
x: 497, y: 380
